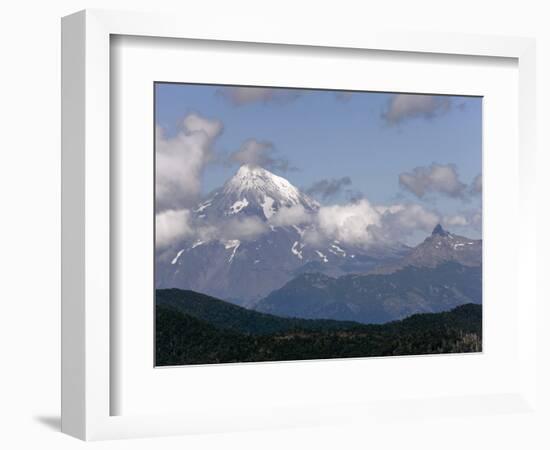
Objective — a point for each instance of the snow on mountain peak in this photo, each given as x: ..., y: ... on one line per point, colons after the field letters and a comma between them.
x: 262, y: 185
x: 251, y: 170
x: 257, y: 178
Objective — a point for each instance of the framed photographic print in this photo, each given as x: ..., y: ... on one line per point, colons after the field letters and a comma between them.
x: 269, y: 229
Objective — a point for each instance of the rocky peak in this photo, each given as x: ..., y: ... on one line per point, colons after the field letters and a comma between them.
x: 439, y: 231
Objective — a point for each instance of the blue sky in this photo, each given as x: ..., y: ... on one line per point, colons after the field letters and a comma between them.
x: 372, y: 138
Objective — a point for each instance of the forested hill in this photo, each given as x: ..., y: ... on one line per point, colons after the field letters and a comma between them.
x: 196, y: 329
x: 225, y: 315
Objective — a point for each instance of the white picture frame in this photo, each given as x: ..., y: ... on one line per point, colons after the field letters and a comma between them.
x: 86, y: 246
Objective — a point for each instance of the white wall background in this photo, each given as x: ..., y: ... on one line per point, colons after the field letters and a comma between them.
x: 29, y: 226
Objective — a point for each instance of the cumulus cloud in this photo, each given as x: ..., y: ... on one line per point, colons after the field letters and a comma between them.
x: 181, y: 159
x: 294, y: 215
x: 409, y: 106
x: 436, y: 178
x: 243, y: 95
x: 402, y: 220
x: 471, y: 219
x: 456, y: 220
x: 359, y: 223
x: 347, y: 223
x: 477, y: 185
x: 476, y: 220
x: 364, y: 224
x: 244, y: 229
x: 329, y: 187
x: 241, y: 228
x: 246, y: 95
x: 260, y: 153
x: 172, y: 226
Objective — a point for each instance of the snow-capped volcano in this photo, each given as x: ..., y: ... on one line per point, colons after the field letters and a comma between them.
x: 255, y: 241
x: 261, y: 184
x: 254, y: 191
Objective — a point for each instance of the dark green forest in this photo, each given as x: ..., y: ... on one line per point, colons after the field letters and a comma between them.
x: 192, y: 328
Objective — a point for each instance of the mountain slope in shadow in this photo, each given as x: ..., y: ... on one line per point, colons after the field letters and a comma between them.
x: 377, y: 298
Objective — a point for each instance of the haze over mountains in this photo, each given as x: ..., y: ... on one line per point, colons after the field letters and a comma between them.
x: 376, y: 298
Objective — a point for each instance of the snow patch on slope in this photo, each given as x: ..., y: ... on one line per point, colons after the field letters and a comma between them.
x: 232, y: 244
x: 295, y: 250
x: 238, y: 206
x: 338, y: 249
x: 175, y: 260
x: 267, y: 207
x: 203, y: 206
x: 322, y: 256
x: 299, y: 230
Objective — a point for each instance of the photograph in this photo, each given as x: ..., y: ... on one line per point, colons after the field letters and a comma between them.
x: 295, y: 223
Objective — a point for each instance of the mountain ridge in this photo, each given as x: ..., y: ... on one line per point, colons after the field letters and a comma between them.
x: 439, y: 247
x: 376, y: 298
x: 228, y: 316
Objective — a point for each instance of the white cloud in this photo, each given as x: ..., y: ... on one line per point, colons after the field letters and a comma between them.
x: 364, y: 224
x: 180, y: 161
x: 347, y: 223
x: 408, y: 106
x: 259, y: 153
x: 294, y: 215
x: 243, y: 95
x: 471, y: 219
x: 476, y: 220
x: 326, y: 188
x: 437, y: 178
x: 399, y: 221
x: 247, y: 228
x: 456, y: 220
x: 194, y: 123
x: 359, y: 224
x: 172, y: 226
x: 477, y: 185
